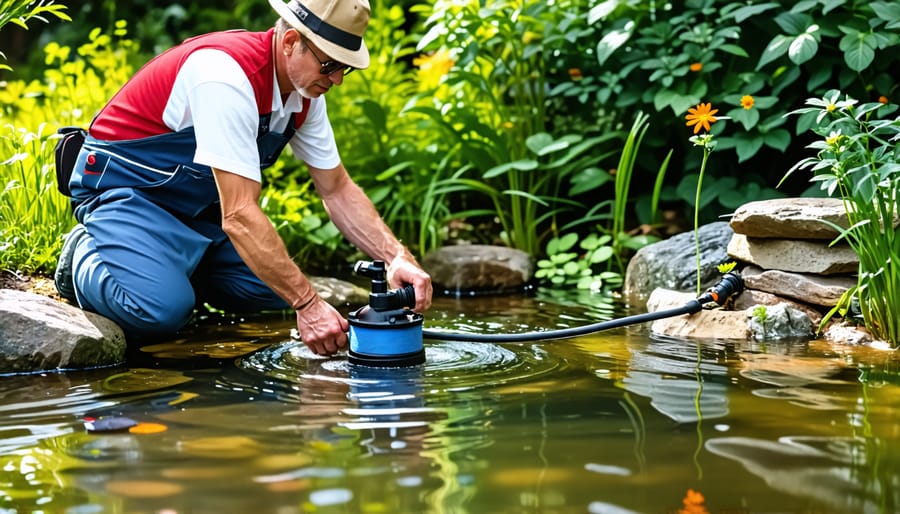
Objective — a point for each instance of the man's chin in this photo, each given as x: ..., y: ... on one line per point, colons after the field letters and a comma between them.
x: 313, y: 92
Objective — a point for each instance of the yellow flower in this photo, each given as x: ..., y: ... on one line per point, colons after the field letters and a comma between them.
x: 747, y: 102
x: 530, y: 37
x: 433, y: 67
x: 833, y: 138
x: 697, y: 66
x: 701, y: 116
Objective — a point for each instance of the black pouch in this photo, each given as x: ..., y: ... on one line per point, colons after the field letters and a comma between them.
x: 66, y: 154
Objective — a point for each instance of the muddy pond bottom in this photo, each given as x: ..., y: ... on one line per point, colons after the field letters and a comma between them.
x: 235, y: 416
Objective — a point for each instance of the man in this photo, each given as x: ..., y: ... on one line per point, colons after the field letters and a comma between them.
x: 166, y: 187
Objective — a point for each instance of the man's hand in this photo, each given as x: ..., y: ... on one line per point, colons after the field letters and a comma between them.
x: 322, y: 328
x: 404, y: 270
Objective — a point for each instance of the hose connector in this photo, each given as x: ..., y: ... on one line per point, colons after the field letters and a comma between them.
x: 731, y: 285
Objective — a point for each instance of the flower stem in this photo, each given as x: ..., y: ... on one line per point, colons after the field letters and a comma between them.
x: 706, y: 151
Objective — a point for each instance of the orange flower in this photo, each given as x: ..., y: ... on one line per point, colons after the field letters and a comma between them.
x: 575, y: 74
x: 883, y: 99
x: 697, y: 66
x: 747, y: 102
x: 701, y: 116
x: 693, y: 503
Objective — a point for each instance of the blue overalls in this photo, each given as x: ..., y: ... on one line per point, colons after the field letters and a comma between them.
x: 154, y: 248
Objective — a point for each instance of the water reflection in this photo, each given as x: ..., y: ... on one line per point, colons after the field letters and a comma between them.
x: 831, y: 470
x: 681, y: 379
x: 254, y: 422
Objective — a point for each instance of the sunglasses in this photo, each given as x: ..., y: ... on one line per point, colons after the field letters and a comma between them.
x: 328, y: 67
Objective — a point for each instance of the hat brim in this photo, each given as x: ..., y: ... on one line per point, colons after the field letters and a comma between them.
x: 358, y: 59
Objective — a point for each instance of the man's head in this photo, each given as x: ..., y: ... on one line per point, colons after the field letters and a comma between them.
x: 335, y: 27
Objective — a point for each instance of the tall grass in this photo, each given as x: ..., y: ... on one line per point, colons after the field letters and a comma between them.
x: 858, y: 160
x: 32, y: 213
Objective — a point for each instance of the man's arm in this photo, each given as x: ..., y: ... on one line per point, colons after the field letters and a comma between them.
x: 355, y: 216
x: 321, y: 327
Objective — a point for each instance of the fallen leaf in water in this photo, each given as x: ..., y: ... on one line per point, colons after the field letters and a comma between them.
x: 143, y: 488
x: 142, y: 379
x: 530, y: 476
x: 289, y: 486
x: 297, y: 460
x: 148, y: 428
x: 200, y: 473
x: 225, y: 447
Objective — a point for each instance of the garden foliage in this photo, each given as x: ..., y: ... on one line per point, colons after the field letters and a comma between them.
x: 858, y: 160
x: 33, y: 214
x: 511, y: 117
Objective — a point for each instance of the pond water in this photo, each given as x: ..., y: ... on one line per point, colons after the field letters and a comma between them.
x: 237, y: 417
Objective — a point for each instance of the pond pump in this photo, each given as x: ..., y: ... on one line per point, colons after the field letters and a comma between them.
x: 387, y: 333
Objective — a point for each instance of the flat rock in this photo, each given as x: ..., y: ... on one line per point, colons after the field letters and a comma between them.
x: 790, y: 218
x: 813, y: 289
x: 801, y: 256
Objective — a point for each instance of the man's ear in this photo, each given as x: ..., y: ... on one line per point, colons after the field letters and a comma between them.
x: 289, y: 39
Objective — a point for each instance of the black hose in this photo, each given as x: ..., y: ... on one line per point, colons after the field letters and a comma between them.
x: 689, y: 308
x: 730, y: 285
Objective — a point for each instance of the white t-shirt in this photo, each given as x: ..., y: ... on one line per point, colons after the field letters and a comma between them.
x: 212, y: 94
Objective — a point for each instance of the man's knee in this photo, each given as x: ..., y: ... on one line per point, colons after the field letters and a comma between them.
x: 153, y: 320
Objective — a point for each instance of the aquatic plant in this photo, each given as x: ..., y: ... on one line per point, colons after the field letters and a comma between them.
x: 858, y: 160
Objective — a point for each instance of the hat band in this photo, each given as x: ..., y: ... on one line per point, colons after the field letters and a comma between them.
x: 323, y: 28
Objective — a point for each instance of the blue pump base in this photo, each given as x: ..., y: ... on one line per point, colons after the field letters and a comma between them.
x: 405, y: 360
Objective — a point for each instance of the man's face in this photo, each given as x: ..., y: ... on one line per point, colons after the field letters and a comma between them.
x: 304, y: 69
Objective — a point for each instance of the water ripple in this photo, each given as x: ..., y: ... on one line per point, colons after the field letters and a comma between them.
x: 449, y: 365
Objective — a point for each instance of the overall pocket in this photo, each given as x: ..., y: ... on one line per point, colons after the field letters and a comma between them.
x: 66, y: 154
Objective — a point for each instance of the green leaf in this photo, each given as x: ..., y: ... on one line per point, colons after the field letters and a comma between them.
x: 520, y: 165
x: 747, y: 117
x: 677, y: 101
x: 743, y: 13
x: 601, y: 254
x: 793, y: 23
x: 778, y: 139
x: 536, y: 142
x: 561, y: 244
x: 611, y: 42
x: 376, y: 114
x: 859, y: 55
x: 734, y: 50
x: 887, y: 11
x: 747, y: 147
x: 803, y: 48
x: 830, y: 5
x: 602, y: 10
x: 777, y: 47
x: 818, y: 76
x: 588, y: 180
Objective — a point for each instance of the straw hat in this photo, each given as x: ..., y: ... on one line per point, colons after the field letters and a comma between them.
x: 334, y: 26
